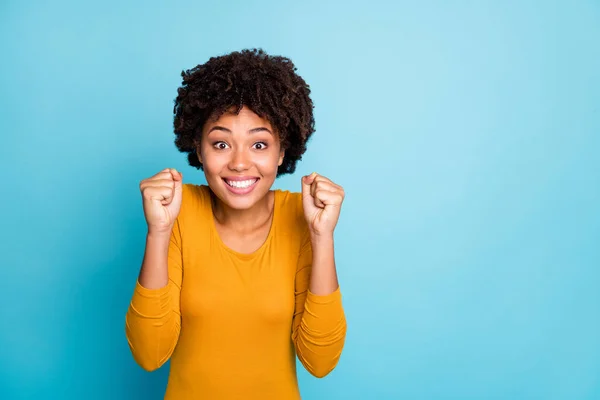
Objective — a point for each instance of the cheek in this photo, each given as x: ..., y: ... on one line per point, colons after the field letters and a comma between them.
x: 213, y: 167
x: 213, y: 160
x: 269, y: 162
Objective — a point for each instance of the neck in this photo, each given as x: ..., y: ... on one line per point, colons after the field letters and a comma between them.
x: 243, y: 221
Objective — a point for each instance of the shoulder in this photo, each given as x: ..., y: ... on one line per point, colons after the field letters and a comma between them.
x: 291, y: 212
x: 194, y: 198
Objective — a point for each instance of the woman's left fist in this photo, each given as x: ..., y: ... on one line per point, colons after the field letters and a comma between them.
x: 322, y: 201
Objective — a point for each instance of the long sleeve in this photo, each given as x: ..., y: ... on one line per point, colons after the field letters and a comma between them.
x: 153, y: 319
x: 319, y: 323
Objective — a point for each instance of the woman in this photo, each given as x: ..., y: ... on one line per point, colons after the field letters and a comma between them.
x: 237, y: 279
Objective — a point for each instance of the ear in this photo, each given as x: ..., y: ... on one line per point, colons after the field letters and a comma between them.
x: 198, y: 154
x: 281, y: 156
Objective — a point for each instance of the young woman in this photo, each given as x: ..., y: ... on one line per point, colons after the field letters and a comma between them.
x: 239, y: 279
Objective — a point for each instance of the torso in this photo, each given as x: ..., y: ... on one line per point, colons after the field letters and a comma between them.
x: 237, y: 310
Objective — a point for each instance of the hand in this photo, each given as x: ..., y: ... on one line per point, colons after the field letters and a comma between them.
x: 162, y: 194
x: 322, y: 201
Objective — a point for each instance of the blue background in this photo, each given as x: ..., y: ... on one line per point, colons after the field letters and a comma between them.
x: 466, y: 135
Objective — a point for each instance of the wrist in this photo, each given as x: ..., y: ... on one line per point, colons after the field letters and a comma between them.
x: 321, y: 238
x: 153, y: 234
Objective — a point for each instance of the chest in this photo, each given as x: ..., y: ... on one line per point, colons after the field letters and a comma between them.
x: 219, y: 289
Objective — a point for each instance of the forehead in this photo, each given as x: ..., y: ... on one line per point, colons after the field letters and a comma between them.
x: 245, y: 119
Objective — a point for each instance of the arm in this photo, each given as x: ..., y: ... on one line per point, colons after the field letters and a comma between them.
x: 319, y: 323
x: 153, y: 320
x: 324, y: 275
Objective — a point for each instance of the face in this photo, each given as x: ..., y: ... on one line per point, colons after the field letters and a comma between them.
x: 240, y: 155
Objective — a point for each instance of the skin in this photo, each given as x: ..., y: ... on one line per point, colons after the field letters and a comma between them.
x: 241, y: 145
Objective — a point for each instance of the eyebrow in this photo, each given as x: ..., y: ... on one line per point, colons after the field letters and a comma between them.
x: 253, y: 130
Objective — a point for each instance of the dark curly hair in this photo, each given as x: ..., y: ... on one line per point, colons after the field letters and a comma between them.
x: 266, y: 84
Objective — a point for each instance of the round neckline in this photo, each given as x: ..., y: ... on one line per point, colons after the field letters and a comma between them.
x: 215, y: 232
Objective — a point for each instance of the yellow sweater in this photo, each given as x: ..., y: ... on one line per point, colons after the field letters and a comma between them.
x: 232, y: 323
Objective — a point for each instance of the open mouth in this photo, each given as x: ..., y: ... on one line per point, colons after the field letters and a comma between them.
x: 241, y: 187
x: 241, y: 184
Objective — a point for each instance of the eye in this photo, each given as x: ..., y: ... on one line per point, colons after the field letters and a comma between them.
x: 220, y: 145
x: 262, y: 145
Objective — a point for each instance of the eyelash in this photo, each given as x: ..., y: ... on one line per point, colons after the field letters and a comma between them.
x: 216, y: 143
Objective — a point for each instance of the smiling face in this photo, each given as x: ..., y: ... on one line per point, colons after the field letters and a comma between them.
x: 240, y: 155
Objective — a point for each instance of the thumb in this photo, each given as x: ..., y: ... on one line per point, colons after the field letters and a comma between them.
x: 306, y: 182
x: 178, y: 178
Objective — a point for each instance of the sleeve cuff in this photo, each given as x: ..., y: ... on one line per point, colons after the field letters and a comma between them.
x: 332, y: 297
x: 150, y: 293
x: 150, y: 303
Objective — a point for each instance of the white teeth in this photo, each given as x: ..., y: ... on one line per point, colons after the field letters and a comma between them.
x: 241, y: 184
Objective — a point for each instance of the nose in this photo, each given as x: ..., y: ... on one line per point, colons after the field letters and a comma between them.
x: 239, y: 160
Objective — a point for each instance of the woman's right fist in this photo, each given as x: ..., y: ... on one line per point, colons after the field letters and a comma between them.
x: 161, y: 196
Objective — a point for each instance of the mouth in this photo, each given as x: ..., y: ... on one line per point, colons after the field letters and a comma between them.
x: 240, y: 186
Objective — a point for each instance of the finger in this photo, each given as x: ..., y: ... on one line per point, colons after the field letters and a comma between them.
x: 160, y: 193
x: 177, y: 176
x: 158, y: 183
x: 328, y: 198
x: 326, y: 185
x: 164, y: 172
x: 163, y: 176
x: 163, y: 182
x: 313, y: 183
x: 325, y: 180
x: 317, y: 201
x: 150, y: 190
x: 178, y: 189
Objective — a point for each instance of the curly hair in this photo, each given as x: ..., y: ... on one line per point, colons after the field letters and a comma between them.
x: 266, y: 84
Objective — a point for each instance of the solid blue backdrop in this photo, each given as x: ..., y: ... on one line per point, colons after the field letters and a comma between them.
x: 466, y: 135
